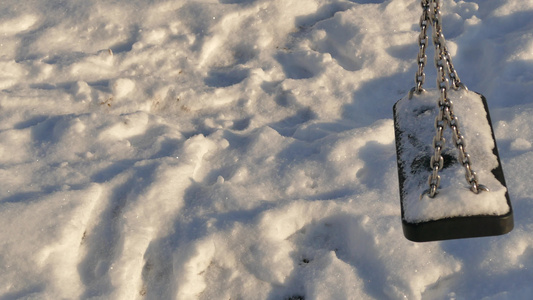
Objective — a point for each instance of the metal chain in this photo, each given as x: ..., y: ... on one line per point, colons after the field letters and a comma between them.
x: 422, y: 45
x: 420, y: 76
x: 436, y: 21
x: 446, y: 116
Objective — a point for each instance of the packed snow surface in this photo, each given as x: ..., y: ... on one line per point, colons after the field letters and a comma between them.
x: 242, y: 149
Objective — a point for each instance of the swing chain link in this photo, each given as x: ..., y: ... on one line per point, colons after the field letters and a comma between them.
x: 438, y: 38
x: 422, y: 46
x: 426, y: 19
x: 446, y: 116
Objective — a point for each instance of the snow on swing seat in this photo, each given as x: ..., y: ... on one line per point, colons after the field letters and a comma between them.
x: 455, y: 212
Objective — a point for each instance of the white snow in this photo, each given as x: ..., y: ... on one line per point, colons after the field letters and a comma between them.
x: 242, y: 149
x: 416, y: 119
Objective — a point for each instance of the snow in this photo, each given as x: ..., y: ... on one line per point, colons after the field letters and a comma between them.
x: 242, y: 149
x: 415, y: 119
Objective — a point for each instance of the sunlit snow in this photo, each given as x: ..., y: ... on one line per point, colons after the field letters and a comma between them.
x: 242, y: 149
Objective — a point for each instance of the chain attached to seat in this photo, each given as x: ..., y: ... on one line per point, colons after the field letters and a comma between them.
x: 443, y: 62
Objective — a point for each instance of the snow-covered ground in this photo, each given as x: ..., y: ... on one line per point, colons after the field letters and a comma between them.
x: 242, y: 149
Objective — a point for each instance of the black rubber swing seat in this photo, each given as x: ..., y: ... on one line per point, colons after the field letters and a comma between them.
x: 455, y: 212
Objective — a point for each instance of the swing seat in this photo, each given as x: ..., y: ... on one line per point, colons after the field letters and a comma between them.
x: 455, y: 212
